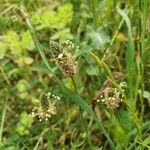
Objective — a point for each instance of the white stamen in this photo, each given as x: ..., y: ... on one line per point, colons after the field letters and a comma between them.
x: 60, y: 55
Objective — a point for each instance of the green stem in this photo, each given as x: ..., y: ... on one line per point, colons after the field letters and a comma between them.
x: 143, y: 10
x: 2, y: 124
x: 74, y: 84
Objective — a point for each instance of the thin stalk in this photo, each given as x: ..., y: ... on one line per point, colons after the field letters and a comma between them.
x: 32, y: 31
x: 143, y: 10
x: 40, y: 139
x: 8, y: 9
x: 74, y: 84
x: 2, y: 124
x: 116, y: 33
x: 5, y: 76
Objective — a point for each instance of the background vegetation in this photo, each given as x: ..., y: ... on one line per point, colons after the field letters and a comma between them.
x: 113, y: 38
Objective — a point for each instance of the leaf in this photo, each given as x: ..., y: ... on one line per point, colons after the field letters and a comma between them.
x: 22, y: 60
x: 21, y: 85
x: 92, y: 70
x: 24, y: 124
x: 121, y: 37
x: 120, y: 135
x: 65, y: 13
x: 146, y: 94
x: 98, y: 37
x: 42, y: 68
x: 26, y: 41
x: 3, y: 49
x: 125, y: 120
x: 62, y: 35
x: 54, y: 19
x: 130, y: 54
x: 12, y: 39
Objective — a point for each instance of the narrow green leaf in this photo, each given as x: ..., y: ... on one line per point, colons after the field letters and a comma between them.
x: 130, y: 54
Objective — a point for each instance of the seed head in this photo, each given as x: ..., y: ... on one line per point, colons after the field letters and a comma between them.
x: 47, y: 107
x: 63, y: 53
x: 44, y: 102
x: 56, y: 48
x: 112, y: 97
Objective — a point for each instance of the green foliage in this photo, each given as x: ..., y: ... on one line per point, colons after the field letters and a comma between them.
x: 24, y: 124
x: 54, y: 19
x: 26, y: 41
x: 113, y: 40
x: 99, y: 37
x: 3, y: 47
x: 17, y: 44
x: 21, y: 87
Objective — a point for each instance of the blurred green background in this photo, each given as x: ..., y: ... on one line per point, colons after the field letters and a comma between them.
x: 118, y: 32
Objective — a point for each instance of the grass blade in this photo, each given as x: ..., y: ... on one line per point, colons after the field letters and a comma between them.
x: 130, y: 54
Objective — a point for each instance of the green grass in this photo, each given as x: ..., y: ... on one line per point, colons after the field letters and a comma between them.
x: 113, y: 42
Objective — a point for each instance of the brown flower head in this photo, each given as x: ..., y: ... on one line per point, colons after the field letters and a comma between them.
x: 47, y: 107
x: 112, y: 97
x: 64, y: 55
